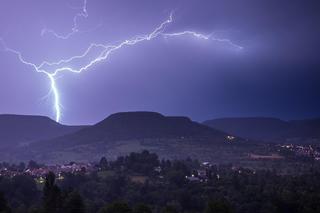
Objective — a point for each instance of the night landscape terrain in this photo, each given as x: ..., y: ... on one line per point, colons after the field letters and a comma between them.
x: 171, y: 106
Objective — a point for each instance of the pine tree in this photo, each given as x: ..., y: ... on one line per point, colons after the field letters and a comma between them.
x: 117, y: 207
x: 51, y: 194
x: 74, y: 203
x: 4, y: 208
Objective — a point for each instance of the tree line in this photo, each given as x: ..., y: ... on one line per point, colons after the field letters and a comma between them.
x: 133, y: 184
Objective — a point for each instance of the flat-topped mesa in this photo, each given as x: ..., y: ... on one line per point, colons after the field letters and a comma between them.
x: 131, y: 125
x: 127, y: 126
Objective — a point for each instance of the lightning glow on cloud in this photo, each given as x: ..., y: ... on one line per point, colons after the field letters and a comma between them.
x: 52, y: 69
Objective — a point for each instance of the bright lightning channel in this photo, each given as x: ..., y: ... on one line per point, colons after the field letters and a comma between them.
x: 64, y: 65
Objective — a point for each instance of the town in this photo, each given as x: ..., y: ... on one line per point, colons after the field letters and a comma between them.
x: 144, y: 178
x: 199, y: 171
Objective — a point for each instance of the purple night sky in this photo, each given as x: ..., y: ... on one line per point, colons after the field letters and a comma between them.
x: 277, y: 73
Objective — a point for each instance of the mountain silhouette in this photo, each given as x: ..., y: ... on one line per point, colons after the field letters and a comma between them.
x: 269, y: 129
x: 127, y: 126
x: 24, y: 129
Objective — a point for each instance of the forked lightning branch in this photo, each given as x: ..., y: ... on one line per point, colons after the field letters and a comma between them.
x: 53, y: 69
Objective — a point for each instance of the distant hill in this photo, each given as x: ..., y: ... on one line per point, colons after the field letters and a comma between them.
x: 309, y: 128
x: 24, y: 129
x: 270, y: 129
x: 137, y: 125
x: 121, y: 133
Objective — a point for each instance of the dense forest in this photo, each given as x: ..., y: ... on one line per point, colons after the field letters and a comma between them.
x: 141, y: 183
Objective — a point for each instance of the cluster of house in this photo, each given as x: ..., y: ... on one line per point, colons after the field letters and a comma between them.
x: 304, y: 150
x: 206, y: 169
x: 201, y: 174
x: 8, y: 172
x: 58, y: 170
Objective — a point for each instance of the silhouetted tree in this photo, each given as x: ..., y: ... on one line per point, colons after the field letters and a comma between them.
x: 118, y: 207
x: 170, y: 209
x: 103, y: 164
x: 74, y: 203
x: 35, y: 209
x: 218, y: 206
x: 142, y: 208
x: 25, y: 189
x: 4, y: 208
x: 51, y: 194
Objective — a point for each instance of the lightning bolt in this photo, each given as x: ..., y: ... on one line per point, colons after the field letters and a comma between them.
x: 75, y: 27
x: 52, y: 69
x: 37, y: 69
x: 205, y: 37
